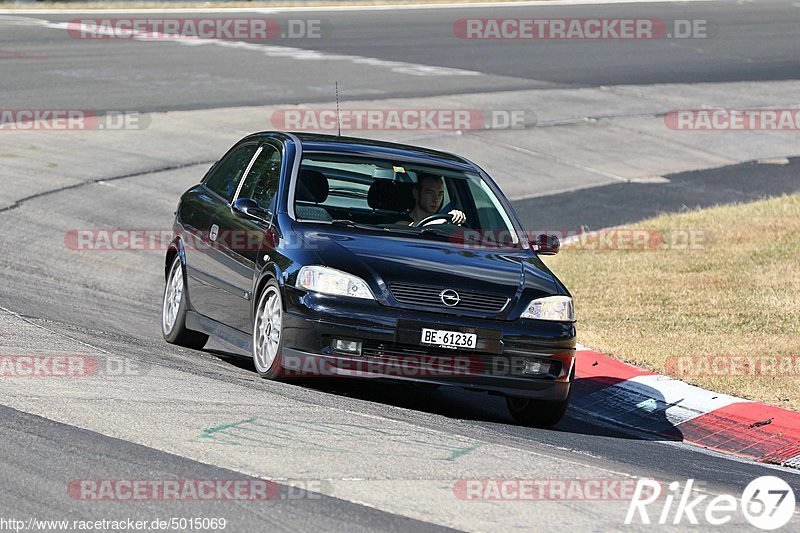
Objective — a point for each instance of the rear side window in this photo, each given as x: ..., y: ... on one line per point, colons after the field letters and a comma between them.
x: 225, y: 177
x: 261, y: 183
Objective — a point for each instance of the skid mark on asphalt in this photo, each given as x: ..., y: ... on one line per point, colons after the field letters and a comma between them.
x: 178, y: 166
x: 257, y: 432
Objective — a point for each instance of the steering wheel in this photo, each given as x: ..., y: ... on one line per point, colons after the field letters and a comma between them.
x: 427, y: 220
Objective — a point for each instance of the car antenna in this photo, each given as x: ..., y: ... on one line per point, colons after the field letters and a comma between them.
x: 338, y: 117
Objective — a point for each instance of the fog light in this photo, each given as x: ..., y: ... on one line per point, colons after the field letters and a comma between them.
x: 341, y: 345
x: 535, y: 367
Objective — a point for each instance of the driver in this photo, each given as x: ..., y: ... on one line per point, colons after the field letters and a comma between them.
x: 428, y: 196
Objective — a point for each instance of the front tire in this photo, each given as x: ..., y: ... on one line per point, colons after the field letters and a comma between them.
x: 173, y: 311
x: 540, y: 413
x: 536, y: 413
x: 268, y: 333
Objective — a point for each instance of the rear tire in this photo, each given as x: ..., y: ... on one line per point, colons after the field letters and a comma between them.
x: 173, y: 311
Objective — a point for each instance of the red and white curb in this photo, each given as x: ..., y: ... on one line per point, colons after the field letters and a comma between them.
x: 633, y: 397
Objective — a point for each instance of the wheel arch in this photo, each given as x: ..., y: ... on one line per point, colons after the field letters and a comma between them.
x: 175, y: 248
x: 271, y: 271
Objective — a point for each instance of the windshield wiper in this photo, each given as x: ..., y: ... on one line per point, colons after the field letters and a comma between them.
x: 344, y: 222
x: 440, y: 233
x: 400, y: 230
x: 350, y: 224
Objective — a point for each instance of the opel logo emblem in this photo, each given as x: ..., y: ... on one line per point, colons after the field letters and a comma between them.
x: 449, y: 297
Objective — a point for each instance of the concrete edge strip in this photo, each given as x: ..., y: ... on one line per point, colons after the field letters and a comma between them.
x: 633, y: 397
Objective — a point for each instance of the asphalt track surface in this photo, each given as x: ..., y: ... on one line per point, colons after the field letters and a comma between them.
x: 624, y: 203
x: 748, y: 41
x: 112, y: 303
x: 33, y: 487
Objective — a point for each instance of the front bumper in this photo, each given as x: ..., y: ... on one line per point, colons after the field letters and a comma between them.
x: 391, y: 348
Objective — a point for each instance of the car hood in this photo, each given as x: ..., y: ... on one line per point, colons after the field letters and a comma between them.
x: 387, y: 259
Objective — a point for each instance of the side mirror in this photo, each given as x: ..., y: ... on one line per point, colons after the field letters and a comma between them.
x: 546, y: 244
x: 248, y: 208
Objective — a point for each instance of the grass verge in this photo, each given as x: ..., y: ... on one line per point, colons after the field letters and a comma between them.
x: 711, y: 297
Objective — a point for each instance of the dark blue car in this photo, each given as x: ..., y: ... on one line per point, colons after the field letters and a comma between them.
x: 333, y: 256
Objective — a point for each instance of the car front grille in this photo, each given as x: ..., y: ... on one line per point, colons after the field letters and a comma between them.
x: 407, y: 293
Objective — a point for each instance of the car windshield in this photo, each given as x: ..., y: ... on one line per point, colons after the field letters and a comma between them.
x: 401, y: 197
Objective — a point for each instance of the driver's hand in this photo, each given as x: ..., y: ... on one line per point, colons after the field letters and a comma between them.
x: 458, y: 216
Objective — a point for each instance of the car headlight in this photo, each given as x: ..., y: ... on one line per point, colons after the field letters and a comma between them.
x: 331, y: 281
x: 551, y: 308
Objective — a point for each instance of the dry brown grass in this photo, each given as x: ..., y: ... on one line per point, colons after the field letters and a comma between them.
x: 738, y: 294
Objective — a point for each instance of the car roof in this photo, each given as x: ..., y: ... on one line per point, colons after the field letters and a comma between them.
x: 319, y: 142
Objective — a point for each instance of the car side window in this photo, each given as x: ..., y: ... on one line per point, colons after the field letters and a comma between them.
x: 225, y: 178
x: 261, y: 183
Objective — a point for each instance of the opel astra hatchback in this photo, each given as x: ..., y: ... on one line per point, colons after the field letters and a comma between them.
x: 333, y: 256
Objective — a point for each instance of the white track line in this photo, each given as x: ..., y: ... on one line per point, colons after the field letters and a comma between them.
x: 298, y: 54
x: 387, y: 7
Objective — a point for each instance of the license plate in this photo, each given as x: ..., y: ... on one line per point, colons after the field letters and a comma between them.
x: 449, y: 339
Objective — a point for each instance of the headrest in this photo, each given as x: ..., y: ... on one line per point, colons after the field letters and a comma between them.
x: 390, y: 195
x: 312, y: 186
x: 404, y: 197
